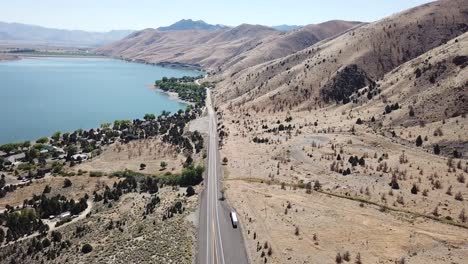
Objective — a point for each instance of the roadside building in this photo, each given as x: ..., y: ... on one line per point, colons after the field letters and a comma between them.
x: 16, y: 157
x: 65, y: 215
x: 81, y: 156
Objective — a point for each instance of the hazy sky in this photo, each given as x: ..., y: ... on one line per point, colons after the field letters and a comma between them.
x: 103, y: 15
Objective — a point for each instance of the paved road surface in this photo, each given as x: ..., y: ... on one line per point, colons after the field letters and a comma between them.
x: 218, y: 241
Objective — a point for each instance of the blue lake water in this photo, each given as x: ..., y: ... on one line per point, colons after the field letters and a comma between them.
x: 39, y: 96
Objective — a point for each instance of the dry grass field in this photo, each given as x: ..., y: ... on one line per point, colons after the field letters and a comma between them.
x: 359, y: 212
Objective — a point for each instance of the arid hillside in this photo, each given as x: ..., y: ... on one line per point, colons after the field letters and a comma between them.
x: 230, y: 48
x: 354, y: 150
x: 380, y: 179
x: 286, y: 43
x: 332, y: 70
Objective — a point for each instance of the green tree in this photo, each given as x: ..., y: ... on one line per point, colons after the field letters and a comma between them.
x: 163, y: 165
x: 71, y: 150
x: 56, y: 236
x: 2, y: 236
x: 10, y: 147
x: 148, y: 117
x: 45, y: 242
x: 26, y: 144
x: 42, y: 140
x: 105, y: 125
x: 66, y: 136
x: 190, y: 191
x: 56, y: 136
x: 57, y: 167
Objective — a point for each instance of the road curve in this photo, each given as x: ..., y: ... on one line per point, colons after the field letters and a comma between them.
x: 218, y: 241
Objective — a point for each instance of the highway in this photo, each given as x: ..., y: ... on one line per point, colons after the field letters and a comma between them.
x: 218, y: 241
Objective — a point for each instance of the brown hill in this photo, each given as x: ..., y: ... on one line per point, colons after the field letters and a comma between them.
x: 286, y: 43
x: 333, y: 70
x: 433, y: 86
x: 242, y: 46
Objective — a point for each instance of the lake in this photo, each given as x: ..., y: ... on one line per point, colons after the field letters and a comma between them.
x: 39, y: 96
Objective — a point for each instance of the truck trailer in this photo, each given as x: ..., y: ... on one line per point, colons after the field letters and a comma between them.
x: 234, y: 219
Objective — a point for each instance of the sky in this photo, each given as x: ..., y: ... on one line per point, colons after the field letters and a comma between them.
x: 104, y: 15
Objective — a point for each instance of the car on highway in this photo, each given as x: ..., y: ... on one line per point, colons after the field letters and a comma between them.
x: 234, y: 219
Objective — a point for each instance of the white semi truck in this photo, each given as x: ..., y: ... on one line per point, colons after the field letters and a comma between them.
x: 234, y: 219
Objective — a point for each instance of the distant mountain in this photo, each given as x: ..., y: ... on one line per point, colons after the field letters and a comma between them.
x: 286, y: 27
x: 189, y: 24
x: 16, y: 33
x: 228, y: 48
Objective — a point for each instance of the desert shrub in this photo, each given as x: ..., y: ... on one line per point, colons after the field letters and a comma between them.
x: 338, y: 258
x: 436, y: 149
x: 47, y: 189
x: 358, y: 259
x: 346, y: 256
x: 67, y: 183
x: 87, y: 248
x: 45, y: 242
x: 190, y: 191
x: 96, y: 173
x: 461, y: 178
x: 63, y: 221
x: 419, y: 141
x: 56, y: 236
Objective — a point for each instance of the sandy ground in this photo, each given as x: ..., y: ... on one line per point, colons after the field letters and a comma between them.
x: 351, y: 218
x: 151, y: 152
x: 80, y: 186
x: 172, y: 95
x: 5, y: 57
x: 338, y: 225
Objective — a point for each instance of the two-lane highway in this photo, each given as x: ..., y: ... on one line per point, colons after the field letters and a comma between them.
x: 218, y: 241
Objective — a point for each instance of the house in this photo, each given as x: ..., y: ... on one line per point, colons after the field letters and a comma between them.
x: 16, y: 157
x: 79, y: 157
x: 58, y: 150
x: 65, y: 215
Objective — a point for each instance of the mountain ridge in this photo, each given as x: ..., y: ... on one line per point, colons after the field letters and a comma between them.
x: 189, y: 24
x: 219, y: 49
x: 18, y: 33
x: 376, y: 49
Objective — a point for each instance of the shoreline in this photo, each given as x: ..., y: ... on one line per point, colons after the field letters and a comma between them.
x: 165, y: 64
x: 8, y: 57
x: 71, y: 56
x: 172, y: 95
x: 172, y: 65
x: 63, y: 56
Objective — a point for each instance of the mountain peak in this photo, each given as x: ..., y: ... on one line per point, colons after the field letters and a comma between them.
x: 189, y: 24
